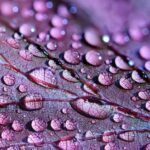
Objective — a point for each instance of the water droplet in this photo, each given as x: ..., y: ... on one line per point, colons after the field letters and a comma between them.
x: 33, y: 50
x: 127, y: 136
x: 9, y: 79
x: 38, y: 125
x: 70, y: 125
x: 72, y: 57
x: 110, y: 146
x: 92, y: 109
x: 106, y: 38
x: 52, y: 46
x: 120, y: 63
x: 17, y: 36
x: 22, y: 88
x: 63, y: 11
x: 125, y: 83
x: 25, y: 54
x: 92, y: 37
x: 4, y: 100
x: 117, y: 118
x: 136, y: 77
x: 120, y: 38
x: 7, y: 135
x: 87, y: 89
x: 145, y: 52
x: 13, y: 43
x: 145, y: 95
x: 89, y: 134
x: 113, y: 70
x: 105, y: 79
x: 41, y: 16
x: 35, y: 138
x: 43, y: 36
x: 124, y: 126
x: 108, y: 136
x: 58, y: 21
x: 67, y: 75
x: 147, y: 65
x: 2, y: 29
x: 68, y: 145
x: 52, y: 64
x: 93, y: 58
x: 17, y: 126
x: 4, y: 119
x: 147, y: 105
x: 64, y: 111
x: 57, y: 33
x: 13, y: 148
x: 33, y: 101
x: 147, y: 147
x: 39, y: 6
x: 55, y: 124
x: 76, y: 45
x: 44, y: 77
x: 76, y: 37
x: 27, y: 29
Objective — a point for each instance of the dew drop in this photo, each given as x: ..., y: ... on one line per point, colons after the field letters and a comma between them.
x: 2, y: 29
x: 38, y: 125
x: 145, y: 95
x: 4, y: 100
x: 33, y: 50
x: 25, y: 54
x: 120, y: 63
x: 89, y: 134
x: 93, y: 58
x: 44, y: 77
x: 22, y: 88
x: 39, y: 6
x: 64, y: 111
x: 76, y: 45
x: 52, y: 46
x: 113, y: 70
x: 147, y: 105
x: 108, y: 137
x: 145, y: 52
x: 125, y: 83
x: 106, y: 38
x: 70, y: 125
x: 27, y: 29
x: 52, y: 64
x: 120, y: 38
x: 147, y: 65
x: 87, y: 89
x: 57, y: 33
x: 4, y: 119
x: 92, y: 37
x: 67, y: 75
x: 110, y: 146
x: 117, y: 118
x: 9, y: 79
x: 127, y: 136
x: 92, y: 109
x: 76, y: 37
x: 55, y: 124
x: 72, y: 57
x: 136, y: 77
x: 33, y: 101
x: 105, y: 79
x: 17, y: 126
x: 35, y: 138
x: 13, y: 43
x: 7, y: 135
x: 43, y: 36
x: 63, y: 11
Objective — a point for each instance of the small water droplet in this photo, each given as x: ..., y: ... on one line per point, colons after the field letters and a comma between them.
x: 52, y: 46
x: 76, y: 45
x: 72, y: 57
x: 93, y: 58
x: 4, y: 100
x: 136, y: 77
x: 145, y: 52
x: 120, y: 38
x: 125, y: 83
x: 13, y: 43
x: 39, y: 6
x: 147, y: 65
x: 33, y: 101
x: 55, y: 124
x: 38, y: 125
x: 70, y: 125
x: 89, y: 134
x: 145, y: 95
x: 17, y: 126
x: 67, y: 75
x: 92, y: 37
x: 2, y: 29
x: 113, y: 70
x: 25, y: 54
x: 9, y: 79
x: 147, y: 105
x: 105, y: 79
x: 22, y: 88
x: 76, y: 37
x: 110, y: 146
x: 64, y: 111
x: 117, y: 118
x: 127, y: 136
x: 7, y: 135
x: 4, y: 119
x: 106, y: 38
x: 52, y: 64
x: 108, y: 136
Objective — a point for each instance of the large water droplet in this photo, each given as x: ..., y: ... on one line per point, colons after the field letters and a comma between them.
x: 9, y: 79
x: 92, y: 109
x: 93, y: 58
x: 67, y: 75
x: 27, y: 29
x: 120, y: 63
x: 127, y: 136
x: 125, y: 83
x: 38, y: 125
x: 92, y: 37
x: 145, y: 52
x: 105, y: 79
x: 33, y: 101
x: 136, y: 77
x: 44, y: 77
x: 72, y: 57
x: 7, y: 135
x: 17, y: 126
